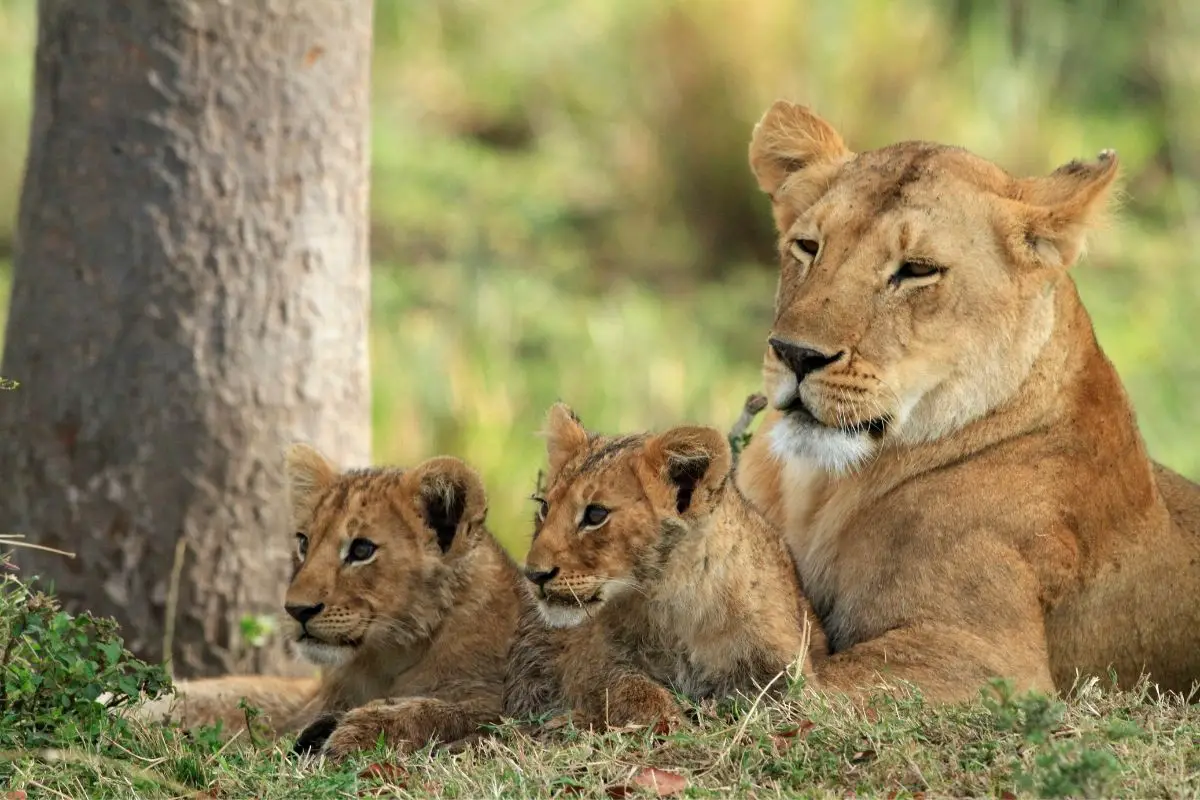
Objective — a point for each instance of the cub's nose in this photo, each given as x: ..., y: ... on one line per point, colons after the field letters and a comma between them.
x: 540, y: 576
x: 801, y: 360
x: 303, y: 614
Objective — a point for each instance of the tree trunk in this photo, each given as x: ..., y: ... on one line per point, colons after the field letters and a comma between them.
x: 190, y: 293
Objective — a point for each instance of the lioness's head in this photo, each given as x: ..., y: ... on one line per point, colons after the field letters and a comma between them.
x: 612, y: 509
x: 376, y: 551
x: 917, y: 283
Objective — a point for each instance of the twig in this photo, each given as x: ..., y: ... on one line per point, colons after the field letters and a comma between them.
x: 739, y: 435
x: 14, y: 539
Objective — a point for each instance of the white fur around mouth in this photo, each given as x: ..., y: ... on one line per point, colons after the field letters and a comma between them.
x: 321, y: 653
x: 565, y: 615
x: 829, y: 449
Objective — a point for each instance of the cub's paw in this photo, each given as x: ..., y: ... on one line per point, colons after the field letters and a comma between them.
x: 315, y: 735
x: 406, y: 726
x: 638, y: 701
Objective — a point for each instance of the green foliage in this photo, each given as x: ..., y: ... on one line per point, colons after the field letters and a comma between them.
x: 1056, y: 764
x: 62, y: 675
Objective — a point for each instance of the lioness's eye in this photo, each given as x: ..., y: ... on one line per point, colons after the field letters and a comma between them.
x: 910, y: 270
x: 594, y: 515
x: 360, y: 550
x: 301, y: 544
x: 543, y: 507
x: 800, y: 247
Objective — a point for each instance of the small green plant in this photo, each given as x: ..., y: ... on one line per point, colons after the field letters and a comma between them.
x: 1060, y: 765
x: 61, y: 674
x: 8, y: 384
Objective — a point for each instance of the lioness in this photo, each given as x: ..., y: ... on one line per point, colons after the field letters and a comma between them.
x: 650, y: 570
x: 952, y: 458
x: 401, y: 592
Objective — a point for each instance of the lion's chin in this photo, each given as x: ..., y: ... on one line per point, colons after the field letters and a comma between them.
x: 802, y: 437
x: 322, y: 654
x: 567, y: 614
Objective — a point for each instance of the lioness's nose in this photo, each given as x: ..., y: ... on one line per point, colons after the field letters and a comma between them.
x: 303, y: 614
x: 801, y: 360
x: 540, y: 576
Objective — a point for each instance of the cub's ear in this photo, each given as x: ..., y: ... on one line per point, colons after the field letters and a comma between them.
x: 1059, y: 208
x: 690, y: 464
x: 565, y: 436
x: 794, y: 154
x: 308, y: 474
x: 448, y: 497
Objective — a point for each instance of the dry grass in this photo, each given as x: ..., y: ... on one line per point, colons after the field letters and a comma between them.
x: 1133, y: 744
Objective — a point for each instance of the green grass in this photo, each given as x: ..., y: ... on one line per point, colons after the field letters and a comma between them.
x: 65, y: 679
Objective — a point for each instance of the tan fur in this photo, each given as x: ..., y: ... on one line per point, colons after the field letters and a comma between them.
x: 684, y: 585
x: 962, y: 484
x: 414, y: 638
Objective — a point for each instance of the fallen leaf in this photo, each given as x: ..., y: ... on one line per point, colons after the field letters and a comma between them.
x: 659, y: 781
x: 15, y: 794
x: 918, y: 796
x: 800, y: 730
x: 384, y: 772
x: 1007, y: 795
x: 862, y: 756
x: 619, y: 790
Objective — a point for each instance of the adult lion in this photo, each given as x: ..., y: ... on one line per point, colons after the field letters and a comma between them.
x: 952, y: 458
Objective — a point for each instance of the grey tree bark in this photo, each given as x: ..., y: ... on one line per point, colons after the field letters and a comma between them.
x: 190, y: 293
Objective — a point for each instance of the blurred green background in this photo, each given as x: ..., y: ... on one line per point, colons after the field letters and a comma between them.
x: 561, y: 207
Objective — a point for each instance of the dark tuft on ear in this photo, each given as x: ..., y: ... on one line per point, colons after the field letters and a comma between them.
x: 693, y: 461
x: 449, y: 497
x: 685, y: 473
x: 444, y: 507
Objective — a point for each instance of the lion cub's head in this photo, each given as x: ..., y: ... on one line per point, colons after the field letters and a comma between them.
x: 377, y: 551
x: 612, y: 509
x: 917, y: 284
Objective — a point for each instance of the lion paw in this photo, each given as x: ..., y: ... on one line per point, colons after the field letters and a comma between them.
x: 406, y: 725
x: 315, y: 735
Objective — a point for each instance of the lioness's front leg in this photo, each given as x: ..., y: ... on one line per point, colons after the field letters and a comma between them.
x: 407, y: 724
x: 946, y: 663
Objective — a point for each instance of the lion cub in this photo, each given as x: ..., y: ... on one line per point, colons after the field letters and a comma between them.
x: 649, y: 571
x: 400, y: 591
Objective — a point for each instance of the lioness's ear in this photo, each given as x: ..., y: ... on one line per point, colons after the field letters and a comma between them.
x: 565, y: 436
x: 309, y: 473
x: 449, y: 497
x: 1062, y: 206
x: 793, y: 154
x: 692, y: 463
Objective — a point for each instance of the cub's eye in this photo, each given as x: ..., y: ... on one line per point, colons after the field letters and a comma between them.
x: 360, y: 550
x: 543, y: 508
x: 594, y: 516
x: 913, y: 270
x: 301, y: 544
x: 804, y: 247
